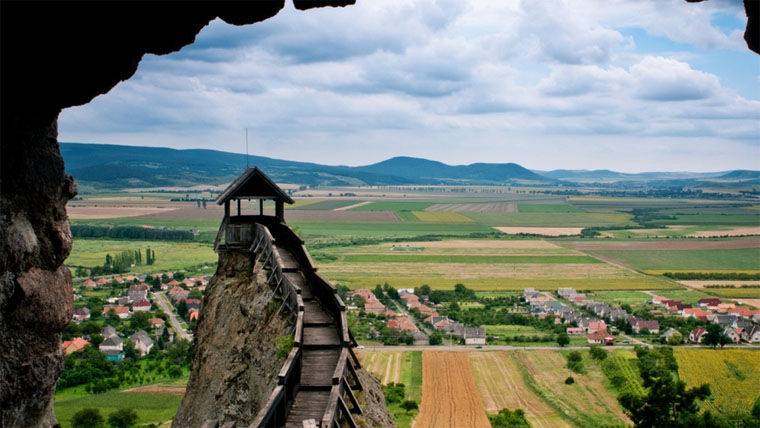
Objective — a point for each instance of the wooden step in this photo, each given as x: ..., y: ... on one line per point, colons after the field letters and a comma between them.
x: 289, y: 262
x: 318, y: 367
x: 321, y: 337
x: 314, y: 315
x: 307, y: 405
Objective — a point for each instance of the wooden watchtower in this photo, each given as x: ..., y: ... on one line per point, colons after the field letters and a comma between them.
x: 236, y: 231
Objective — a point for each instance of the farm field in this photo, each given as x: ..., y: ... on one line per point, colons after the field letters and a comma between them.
x: 733, y: 375
x: 449, y: 396
x: 545, y: 231
x: 441, y: 217
x: 169, y: 255
x: 540, y: 219
x: 477, y: 207
x: 588, y: 402
x: 386, y: 365
x: 150, y: 407
x: 397, y: 366
x: 725, y: 259
x: 501, y: 385
x: 621, y: 297
x: 737, y: 293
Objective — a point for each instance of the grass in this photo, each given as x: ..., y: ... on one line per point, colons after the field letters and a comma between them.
x: 393, y: 206
x: 539, y: 219
x: 383, y: 363
x: 332, y: 230
x: 441, y: 217
x: 714, y: 219
x: 169, y: 255
x: 413, y: 258
x: 621, y: 297
x: 702, y: 260
x: 325, y: 205
x: 686, y: 296
x: 150, y: 408
x: 547, y: 208
x: 746, y: 293
x: 172, y: 223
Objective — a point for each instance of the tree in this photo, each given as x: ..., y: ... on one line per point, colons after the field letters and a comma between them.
x: 359, y: 301
x: 87, y: 418
x: 675, y: 339
x: 715, y: 336
x: 563, y: 339
x: 378, y: 292
x: 195, y: 294
x: 409, y: 405
x: 139, y: 320
x: 436, y: 338
x: 122, y: 418
x: 598, y: 353
x: 182, y: 308
x: 575, y: 361
x: 509, y: 419
x: 204, y: 205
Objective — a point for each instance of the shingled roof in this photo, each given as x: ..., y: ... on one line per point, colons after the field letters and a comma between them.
x: 253, y: 184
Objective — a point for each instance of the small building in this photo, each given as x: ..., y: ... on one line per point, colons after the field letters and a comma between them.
x: 103, y: 282
x: 574, y: 331
x: 141, y: 340
x: 81, y: 314
x: 665, y: 337
x: 696, y: 335
x: 74, y: 345
x: 600, y: 338
x: 237, y: 231
x: 141, y: 305
x: 193, y: 304
x: 712, y: 301
x: 121, y: 311
x: 89, y: 283
x: 138, y: 292
x: 732, y: 334
x: 156, y: 322
x: 112, y: 344
x: 752, y: 334
x: 474, y: 336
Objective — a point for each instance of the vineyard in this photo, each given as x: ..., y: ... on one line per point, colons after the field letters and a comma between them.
x: 624, y: 366
x: 733, y: 375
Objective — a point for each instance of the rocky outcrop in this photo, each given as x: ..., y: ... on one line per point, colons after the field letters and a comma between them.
x: 372, y: 402
x: 234, y: 365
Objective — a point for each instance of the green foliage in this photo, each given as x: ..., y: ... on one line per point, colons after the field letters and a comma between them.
x: 436, y: 338
x: 87, y: 418
x: 130, y: 232
x: 394, y: 392
x: 509, y: 419
x: 569, y: 380
x: 409, y: 405
x: 284, y: 346
x: 715, y: 336
x: 122, y: 418
x: 563, y: 339
x: 675, y: 339
x: 575, y: 361
x: 598, y: 353
x: 741, y: 276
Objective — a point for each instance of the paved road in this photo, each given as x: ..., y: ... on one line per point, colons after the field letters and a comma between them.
x: 169, y: 311
x: 463, y: 348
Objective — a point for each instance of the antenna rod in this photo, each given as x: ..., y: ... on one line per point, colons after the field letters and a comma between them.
x: 246, y: 149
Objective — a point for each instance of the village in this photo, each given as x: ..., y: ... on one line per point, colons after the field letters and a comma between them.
x: 418, y: 321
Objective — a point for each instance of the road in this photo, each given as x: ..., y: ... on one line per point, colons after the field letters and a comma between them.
x: 169, y: 311
x: 467, y: 348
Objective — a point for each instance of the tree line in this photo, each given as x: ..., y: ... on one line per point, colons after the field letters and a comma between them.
x: 130, y: 232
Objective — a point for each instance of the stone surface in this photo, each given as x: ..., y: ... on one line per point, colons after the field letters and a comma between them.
x: 234, y: 365
x: 372, y: 401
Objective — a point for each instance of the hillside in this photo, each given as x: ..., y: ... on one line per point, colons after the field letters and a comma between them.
x: 114, y: 167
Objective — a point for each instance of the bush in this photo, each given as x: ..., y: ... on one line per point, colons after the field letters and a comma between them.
x: 575, y: 362
x: 569, y: 380
x: 87, y: 418
x: 122, y: 418
x: 563, y: 339
x: 598, y: 353
x: 394, y: 392
x: 509, y: 419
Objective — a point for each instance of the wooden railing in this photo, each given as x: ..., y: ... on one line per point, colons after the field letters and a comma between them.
x: 275, y: 410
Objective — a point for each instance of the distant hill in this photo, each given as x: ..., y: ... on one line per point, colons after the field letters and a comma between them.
x: 107, y: 166
x: 605, y: 175
x: 741, y: 174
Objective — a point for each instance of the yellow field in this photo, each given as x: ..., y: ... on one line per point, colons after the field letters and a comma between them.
x: 442, y: 217
x: 501, y: 385
x: 449, y: 396
x: 733, y: 375
x: 611, y: 217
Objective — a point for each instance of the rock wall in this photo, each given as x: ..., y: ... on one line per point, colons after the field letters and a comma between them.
x: 234, y: 365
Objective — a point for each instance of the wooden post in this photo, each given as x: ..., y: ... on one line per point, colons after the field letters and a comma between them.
x: 226, y: 209
x: 280, y: 210
x: 261, y: 207
x: 238, y: 204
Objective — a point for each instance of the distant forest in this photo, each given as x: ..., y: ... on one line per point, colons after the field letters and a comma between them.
x: 130, y: 232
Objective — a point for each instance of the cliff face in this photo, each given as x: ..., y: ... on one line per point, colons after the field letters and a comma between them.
x: 234, y: 366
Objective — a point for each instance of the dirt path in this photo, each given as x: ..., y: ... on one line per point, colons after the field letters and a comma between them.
x: 449, y: 396
x: 159, y: 388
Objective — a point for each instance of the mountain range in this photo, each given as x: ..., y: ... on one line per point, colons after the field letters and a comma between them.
x: 107, y: 166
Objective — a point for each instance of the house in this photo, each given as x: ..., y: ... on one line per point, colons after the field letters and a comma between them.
x: 141, y: 305
x: 420, y: 338
x: 712, y: 302
x: 725, y: 319
x: 474, y: 336
x: 665, y: 337
x: 89, y: 283
x: 364, y: 293
x: 142, y: 342
x: 81, y: 314
x: 725, y: 307
x: 117, y: 279
x: 189, y: 282
x: 600, y: 337
x: 103, y: 282
x: 595, y: 326
x: 640, y: 324
x: 138, y: 292
x: 698, y: 313
x: 742, y: 323
x: 108, y: 331
x: 113, y: 347
x: 156, y: 322
x: 574, y: 331
x: 617, y: 314
x: 121, y: 311
x: 743, y: 312
x: 173, y: 283
x: 696, y: 335
x: 74, y: 345
x: 658, y: 300
x: 389, y: 313
x: 178, y: 293
x: 192, y: 315
x: 131, y: 278
x: 374, y: 305
x: 752, y: 334
x: 732, y: 334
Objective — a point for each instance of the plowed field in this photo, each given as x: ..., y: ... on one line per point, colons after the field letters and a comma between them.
x: 449, y: 396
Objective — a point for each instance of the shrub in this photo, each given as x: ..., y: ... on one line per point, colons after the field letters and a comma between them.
x: 598, y: 353
x: 87, y: 418
x: 569, y: 380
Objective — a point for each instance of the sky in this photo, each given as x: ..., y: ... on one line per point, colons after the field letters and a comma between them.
x: 632, y: 86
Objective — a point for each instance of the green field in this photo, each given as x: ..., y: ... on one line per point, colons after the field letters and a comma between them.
x: 738, y: 293
x: 547, y: 208
x: 150, y: 408
x: 504, y: 284
x: 378, y: 230
x: 621, y: 297
x: 733, y: 259
x: 169, y: 255
x: 393, y: 206
x: 413, y: 258
x: 325, y: 205
x: 540, y: 219
x: 714, y: 219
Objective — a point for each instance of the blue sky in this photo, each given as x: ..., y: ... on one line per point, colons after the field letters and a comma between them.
x: 649, y: 85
